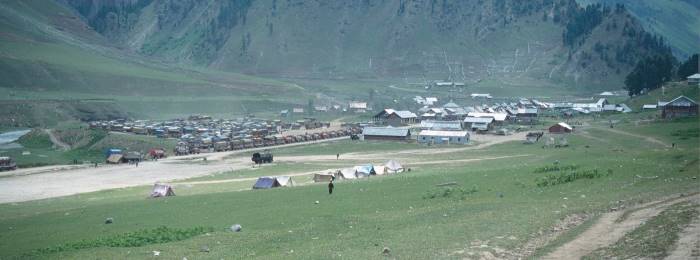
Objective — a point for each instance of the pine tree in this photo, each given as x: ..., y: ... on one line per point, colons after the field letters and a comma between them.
x: 688, y: 67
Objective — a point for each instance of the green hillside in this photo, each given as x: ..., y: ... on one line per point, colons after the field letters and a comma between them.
x: 676, y: 20
x: 46, y: 53
x: 472, y: 41
x: 165, y: 59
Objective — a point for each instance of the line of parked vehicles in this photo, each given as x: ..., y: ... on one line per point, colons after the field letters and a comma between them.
x: 220, y: 144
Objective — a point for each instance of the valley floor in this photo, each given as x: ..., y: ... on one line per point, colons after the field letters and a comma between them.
x: 498, y: 206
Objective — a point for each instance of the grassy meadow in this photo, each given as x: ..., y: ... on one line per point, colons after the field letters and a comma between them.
x: 496, y: 203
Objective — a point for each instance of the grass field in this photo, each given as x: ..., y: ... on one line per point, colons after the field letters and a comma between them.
x: 499, y: 204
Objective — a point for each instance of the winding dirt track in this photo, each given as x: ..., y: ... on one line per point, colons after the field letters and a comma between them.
x: 610, y: 228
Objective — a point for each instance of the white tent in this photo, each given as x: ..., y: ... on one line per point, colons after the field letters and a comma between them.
x: 379, y: 170
x: 162, y: 190
x: 347, y: 173
x: 285, y: 181
x: 393, y: 167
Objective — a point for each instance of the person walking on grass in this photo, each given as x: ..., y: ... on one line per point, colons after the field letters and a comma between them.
x: 330, y: 187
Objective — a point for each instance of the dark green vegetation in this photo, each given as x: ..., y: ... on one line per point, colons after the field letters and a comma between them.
x: 570, y: 176
x: 654, y: 71
x: 650, y: 73
x: 688, y: 67
x: 139, y: 238
x: 365, y: 215
x: 556, y: 168
x: 455, y: 192
x: 654, y: 239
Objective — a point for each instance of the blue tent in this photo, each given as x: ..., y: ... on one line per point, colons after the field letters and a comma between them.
x: 266, y: 183
x: 364, y: 170
x: 111, y: 151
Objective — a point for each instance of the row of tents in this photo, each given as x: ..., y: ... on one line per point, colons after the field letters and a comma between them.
x: 269, y: 182
x: 362, y: 171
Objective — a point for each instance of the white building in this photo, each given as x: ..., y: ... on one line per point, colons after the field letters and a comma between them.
x: 694, y: 80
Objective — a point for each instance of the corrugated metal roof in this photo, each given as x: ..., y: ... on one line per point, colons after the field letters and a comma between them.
x: 495, y: 116
x: 385, y: 131
x: 451, y: 105
x: 444, y: 133
x: 405, y: 114
x: 527, y: 110
x: 681, y: 101
x: 486, y: 120
x: 441, y: 125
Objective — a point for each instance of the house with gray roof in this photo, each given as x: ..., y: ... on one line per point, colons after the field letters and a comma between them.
x: 386, y: 133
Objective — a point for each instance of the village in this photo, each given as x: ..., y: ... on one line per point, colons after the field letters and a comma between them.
x: 434, y: 124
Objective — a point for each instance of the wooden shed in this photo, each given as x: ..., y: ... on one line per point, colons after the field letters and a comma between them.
x: 681, y: 106
x: 561, y: 128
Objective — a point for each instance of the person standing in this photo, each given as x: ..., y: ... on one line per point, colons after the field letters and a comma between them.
x: 330, y: 187
x: 337, y: 156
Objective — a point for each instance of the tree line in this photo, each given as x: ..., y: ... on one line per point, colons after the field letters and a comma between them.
x: 653, y: 71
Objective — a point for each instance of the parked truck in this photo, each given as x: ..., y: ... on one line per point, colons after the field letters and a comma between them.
x: 7, y: 164
x: 260, y: 158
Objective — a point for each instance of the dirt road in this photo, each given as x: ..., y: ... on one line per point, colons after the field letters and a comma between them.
x: 56, y: 181
x: 643, y: 137
x: 63, y: 180
x: 612, y: 226
x: 688, y: 245
x: 68, y: 182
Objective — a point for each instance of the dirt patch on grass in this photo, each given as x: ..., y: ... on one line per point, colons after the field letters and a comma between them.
x: 654, y: 238
x: 613, y: 226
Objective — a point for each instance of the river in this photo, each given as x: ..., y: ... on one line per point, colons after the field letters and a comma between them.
x: 7, y: 139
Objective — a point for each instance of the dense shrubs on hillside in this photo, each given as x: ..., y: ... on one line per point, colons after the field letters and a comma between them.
x: 583, y: 22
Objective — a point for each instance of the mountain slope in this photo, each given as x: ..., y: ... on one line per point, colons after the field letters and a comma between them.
x: 472, y: 40
x: 46, y: 52
x: 676, y: 20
